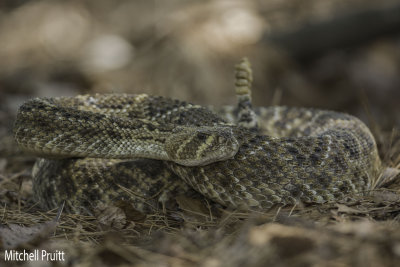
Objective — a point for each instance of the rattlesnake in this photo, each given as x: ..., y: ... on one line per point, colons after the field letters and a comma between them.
x: 140, y: 148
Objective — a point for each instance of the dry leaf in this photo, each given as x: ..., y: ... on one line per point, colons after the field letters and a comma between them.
x: 131, y: 213
x: 192, y: 205
x: 110, y: 216
x: 389, y: 176
x: 346, y: 209
x: 385, y: 196
x: 14, y: 235
x: 363, y: 228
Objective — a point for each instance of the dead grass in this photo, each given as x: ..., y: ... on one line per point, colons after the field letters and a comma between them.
x: 358, y: 231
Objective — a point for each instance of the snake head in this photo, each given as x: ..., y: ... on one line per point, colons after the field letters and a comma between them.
x: 198, y: 146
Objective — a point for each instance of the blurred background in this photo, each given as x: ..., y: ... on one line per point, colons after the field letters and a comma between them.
x: 335, y: 54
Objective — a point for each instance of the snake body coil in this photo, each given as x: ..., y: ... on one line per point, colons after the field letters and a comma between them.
x: 103, y: 148
x: 92, y: 145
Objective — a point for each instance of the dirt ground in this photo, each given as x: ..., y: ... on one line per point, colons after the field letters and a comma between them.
x: 334, y: 54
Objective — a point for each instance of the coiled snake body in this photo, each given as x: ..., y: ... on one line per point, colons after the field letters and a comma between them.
x: 140, y: 148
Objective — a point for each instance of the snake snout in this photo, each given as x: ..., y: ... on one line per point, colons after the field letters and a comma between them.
x: 201, y: 145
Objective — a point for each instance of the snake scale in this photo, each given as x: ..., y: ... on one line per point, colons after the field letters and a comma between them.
x: 143, y: 149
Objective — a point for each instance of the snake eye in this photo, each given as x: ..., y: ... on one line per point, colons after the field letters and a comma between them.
x: 201, y: 136
x: 221, y: 139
